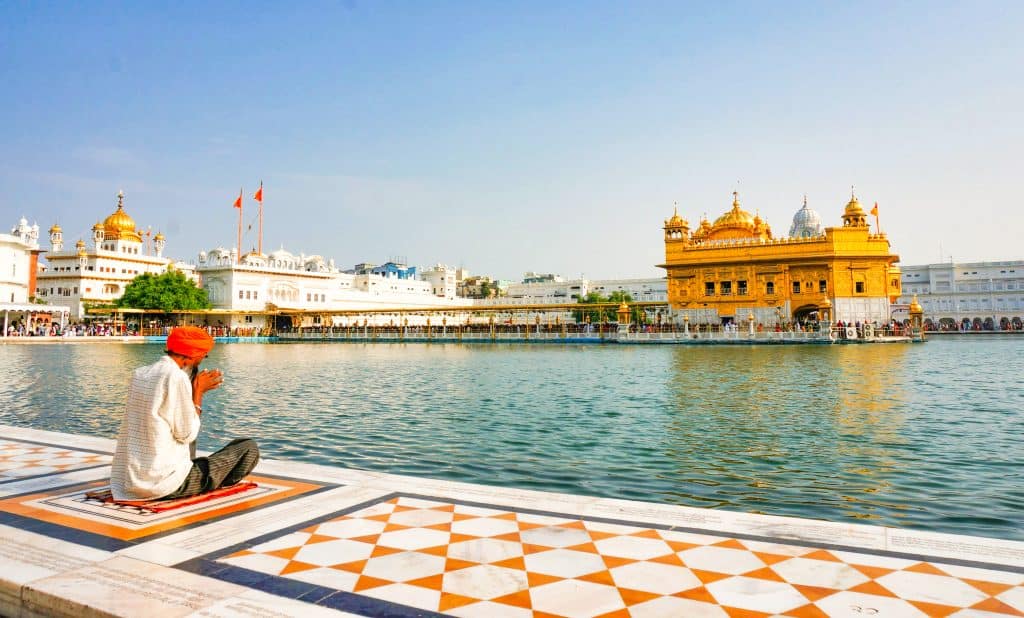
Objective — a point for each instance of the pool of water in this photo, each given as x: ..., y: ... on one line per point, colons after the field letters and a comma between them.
x: 920, y: 436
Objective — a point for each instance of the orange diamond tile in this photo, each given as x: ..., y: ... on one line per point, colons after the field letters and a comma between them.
x: 672, y: 559
x: 873, y: 587
x: 619, y: 613
x: 700, y: 593
x: 598, y: 577
x: 351, y: 567
x: 636, y: 597
x: 927, y: 568
x: 451, y: 601
x: 709, y: 577
x: 821, y: 554
x: 585, y: 547
x: 872, y: 571
x: 294, y: 566
x: 807, y: 611
x: 516, y: 563
x: 767, y: 574
x: 814, y: 593
x: 431, y: 582
x: 516, y: 599
x: 454, y: 565
x: 933, y: 609
x: 731, y: 544
x: 365, y: 583
x: 736, y: 612
x: 537, y: 580
x: 771, y: 559
x: 989, y: 588
x: 614, y: 561
x: 996, y: 606
x: 287, y: 553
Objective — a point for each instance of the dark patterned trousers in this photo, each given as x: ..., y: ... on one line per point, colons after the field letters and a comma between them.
x: 226, y: 467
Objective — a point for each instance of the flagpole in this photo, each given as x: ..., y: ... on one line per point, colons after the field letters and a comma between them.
x: 878, y: 226
x: 240, y: 225
x: 259, y: 246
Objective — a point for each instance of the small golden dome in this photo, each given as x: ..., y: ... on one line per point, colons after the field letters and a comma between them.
x: 119, y: 226
x: 55, y: 229
x: 853, y: 207
x: 80, y: 244
x: 915, y: 307
x: 159, y: 236
x: 825, y: 304
x: 736, y: 217
x: 97, y: 227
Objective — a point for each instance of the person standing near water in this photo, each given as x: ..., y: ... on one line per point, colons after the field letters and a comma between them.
x: 154, y: 458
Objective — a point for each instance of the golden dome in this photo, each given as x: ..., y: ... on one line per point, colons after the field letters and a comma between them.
x: 80, y: 245
x: 676, y: 220
x: 55, y: 229
x: 853, y: 207
x: 915, y: 307
x: 119, y: 226
x: 98, y: 226
x: 159, y: 236
x: 736, y: 217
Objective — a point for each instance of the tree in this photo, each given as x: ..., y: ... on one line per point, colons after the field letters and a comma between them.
x: 485, y: 289
x: 170, y: 291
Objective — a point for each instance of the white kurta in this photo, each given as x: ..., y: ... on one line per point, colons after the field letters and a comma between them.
x: 152, y: 457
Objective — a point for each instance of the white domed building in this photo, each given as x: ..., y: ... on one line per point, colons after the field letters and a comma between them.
x: 98, y: 274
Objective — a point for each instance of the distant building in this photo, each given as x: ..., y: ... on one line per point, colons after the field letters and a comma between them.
x: 735, y: 268
x: 443, y: 280
x: 246, y: 291
x: 98, y: 275
x: 967, y: 296
x: 553, y: 289
x: 19, y: 268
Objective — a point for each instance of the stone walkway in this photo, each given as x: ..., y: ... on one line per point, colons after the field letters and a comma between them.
x: 315, y: 540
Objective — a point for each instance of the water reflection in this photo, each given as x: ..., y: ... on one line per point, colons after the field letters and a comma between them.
x: 883, y: 433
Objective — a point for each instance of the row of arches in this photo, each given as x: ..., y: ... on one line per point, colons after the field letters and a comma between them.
x: 975, y: 324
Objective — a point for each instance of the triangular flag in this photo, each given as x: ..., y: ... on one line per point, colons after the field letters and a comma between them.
x: 238, y: 202
x: 874, y: 211
x: 258, y: 196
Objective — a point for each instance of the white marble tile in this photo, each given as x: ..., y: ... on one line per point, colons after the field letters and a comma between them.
x: 756, y: 594
x: 340, y: 551
x: 856, y: 605
x: 128, y: 587
x: 331, y: 578
x: 485, y: 550
x: 350, y: 528
x: 207, y: 538
x: 484, y: 526
x: 931, y: 588
x: 414, y: 538
x: 285, y: 541
x: 423, y: 517
x: 637, y: 548
x: 404, y: 566
x: 576, y: 598
x: 654, y: 577
x: 414, y: 596
x: 820, y: 573
x: 477, y: 511
x: 721, y: 560
x: 256, y: 604
x: 26, y: 556
x: 885, y: 562
x: 555, y: 536
x: 671, y: 607
x: 487, y: 609
x: 999, y: 577
x: 484, y: 581
x: 158, y: 553
x: 564, y: 563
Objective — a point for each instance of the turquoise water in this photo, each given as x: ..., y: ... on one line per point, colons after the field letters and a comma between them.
x: 921, y: 436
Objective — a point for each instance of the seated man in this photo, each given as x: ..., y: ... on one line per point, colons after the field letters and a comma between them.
x: 154, y: 459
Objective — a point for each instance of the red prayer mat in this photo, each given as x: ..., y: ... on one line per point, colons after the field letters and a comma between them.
x: 159, y: 506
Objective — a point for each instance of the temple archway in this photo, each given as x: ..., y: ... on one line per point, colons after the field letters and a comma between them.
x: 805, y: 312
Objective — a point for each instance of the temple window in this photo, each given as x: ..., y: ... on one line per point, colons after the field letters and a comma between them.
x: 796, y: 287
x: 769, y: 288
x: 859, y: 287
x: 241, y: 295
x: 741, y: 288
x: 727, y: 288
x: 823, y: 286
x: 709, y: 288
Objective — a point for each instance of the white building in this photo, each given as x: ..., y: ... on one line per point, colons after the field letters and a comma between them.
x: 554, y: 290
x: 971, y: 296
x: 245, y: 289
x: 444, y: 280
x: 98, y: 274
x: 19, y: 266
x: 19, y: 252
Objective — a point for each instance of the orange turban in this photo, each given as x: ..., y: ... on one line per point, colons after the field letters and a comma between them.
x: 189, y: 341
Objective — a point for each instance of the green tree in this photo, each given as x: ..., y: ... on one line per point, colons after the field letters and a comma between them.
x: 170, y: 291
x: 485, y: 289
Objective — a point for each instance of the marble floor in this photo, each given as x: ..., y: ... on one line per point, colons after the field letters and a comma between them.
x: 313, y: 540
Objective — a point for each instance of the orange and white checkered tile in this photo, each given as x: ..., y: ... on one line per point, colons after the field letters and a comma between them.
x: 472, y: 561
x: 22, y: 459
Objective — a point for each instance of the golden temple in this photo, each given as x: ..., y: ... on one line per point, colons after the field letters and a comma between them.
x: 735, y: 270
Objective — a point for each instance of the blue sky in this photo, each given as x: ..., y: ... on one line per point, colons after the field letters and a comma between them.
x: 508, y: 137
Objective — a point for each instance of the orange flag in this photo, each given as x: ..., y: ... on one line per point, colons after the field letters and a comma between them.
x: 874, y: 211
x: 258, y: 196
x: 238, y: 202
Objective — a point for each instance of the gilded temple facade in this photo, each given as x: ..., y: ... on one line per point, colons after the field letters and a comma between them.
x: 735, y: 269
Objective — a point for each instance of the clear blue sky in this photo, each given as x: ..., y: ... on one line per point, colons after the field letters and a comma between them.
x: 508, y: 137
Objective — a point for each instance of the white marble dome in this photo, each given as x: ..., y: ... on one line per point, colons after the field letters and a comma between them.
x: 806, y: 223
